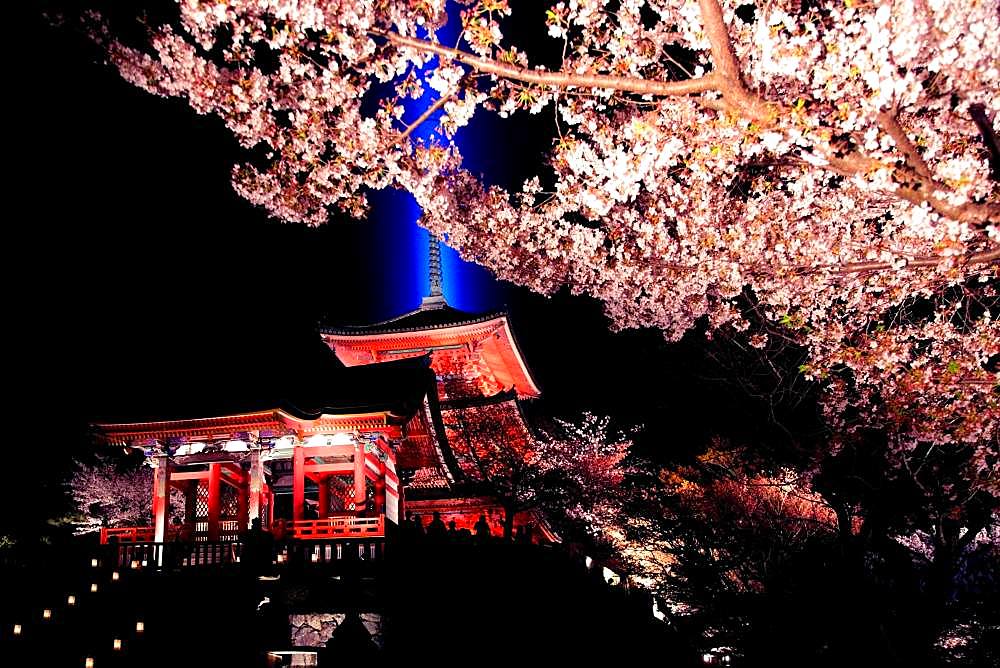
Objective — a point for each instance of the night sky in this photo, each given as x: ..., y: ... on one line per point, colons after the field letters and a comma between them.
x: 136, y: 279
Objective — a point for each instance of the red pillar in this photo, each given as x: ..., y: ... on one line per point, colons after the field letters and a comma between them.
x: 380, y: 490
x: 243, y: 507
x: 359, y: 478
x: 270, y: 507
x: 161, y: 498
x: 214, y: 500
x: 298, y: 483
x: 256, y: 488
x: 324, y: 497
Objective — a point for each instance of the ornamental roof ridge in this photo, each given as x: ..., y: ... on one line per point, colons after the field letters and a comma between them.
x: 446, y: 317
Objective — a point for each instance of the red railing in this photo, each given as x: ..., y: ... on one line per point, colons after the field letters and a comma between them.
x: 126, y: 535
x: 325, y: 529
x: 337, y: 527
x: 229, y: 530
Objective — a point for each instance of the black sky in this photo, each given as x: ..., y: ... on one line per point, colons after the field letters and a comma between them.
x: 136, y: 278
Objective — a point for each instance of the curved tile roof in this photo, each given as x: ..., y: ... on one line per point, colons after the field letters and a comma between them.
x: 415, y: 320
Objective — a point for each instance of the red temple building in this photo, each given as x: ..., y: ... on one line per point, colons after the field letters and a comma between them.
x: 418, y: 420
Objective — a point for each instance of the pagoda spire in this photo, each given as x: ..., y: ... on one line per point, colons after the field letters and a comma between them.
x: 436, y: 297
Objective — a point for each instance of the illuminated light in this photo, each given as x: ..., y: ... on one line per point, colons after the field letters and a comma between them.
x: 725, y: 659
x: 93, y: 588
x: 88, y: 662
x: 236, y: 446
x: 117, y: 644
x: 342, y: 439
x: 46, y: 613
x: 135, y: 563
x: 293, y: 657
x: 93, y: 563
x: 115, y: 576
x: 657, y: 613
x: 315, y: 557
x: 145, y: 563
x: 706, y: 658
x: 190, y: 449
x: 589, y: 562
x: 281, y: 559
x: 71, y: 600
x: 17, y: 629
x: 140, y: 627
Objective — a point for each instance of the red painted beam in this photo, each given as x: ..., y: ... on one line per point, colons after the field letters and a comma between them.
x: 214, y: 500
x: 298, y: 483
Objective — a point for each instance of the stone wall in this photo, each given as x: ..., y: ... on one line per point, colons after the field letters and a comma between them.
x: 314, y: 629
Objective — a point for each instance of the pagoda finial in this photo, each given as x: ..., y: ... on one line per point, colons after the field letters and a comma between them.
x: 436, y: 297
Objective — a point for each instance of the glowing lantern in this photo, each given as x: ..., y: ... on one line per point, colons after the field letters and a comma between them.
x: 17, y: 629
x: 93, y: 563
x: 117, y: 644
x: 71, y: 600
x: 93, y: 588
x: 135, y: 563
x: 114, y: 576
x: 140, y: 627
x: 88, y: 662
x: 46, y: 613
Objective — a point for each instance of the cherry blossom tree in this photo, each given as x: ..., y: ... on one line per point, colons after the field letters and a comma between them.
x: 107, y: 494
x: 110, y: 493
x: 732, y: 527
x: 750, y: 553
x: 821, y: 172
x: 572, y: 471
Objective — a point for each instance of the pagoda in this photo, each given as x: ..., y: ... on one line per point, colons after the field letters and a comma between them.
x: 480, y: 377
x: 405, y: 426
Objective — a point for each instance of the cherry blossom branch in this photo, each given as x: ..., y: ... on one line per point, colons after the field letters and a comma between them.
x: 424, y: 116
x: 891, y: 125
x: 703, y: 84
x: 727, y: 66
x: 725, y: 78
x: 985, y: 257
x: 725, y: 63
x: 989, y: 136
x: 916, y: 190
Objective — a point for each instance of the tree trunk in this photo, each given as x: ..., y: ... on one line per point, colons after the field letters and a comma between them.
x: 508, y: 522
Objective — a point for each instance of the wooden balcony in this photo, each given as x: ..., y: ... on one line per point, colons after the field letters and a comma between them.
x: 295, y: 554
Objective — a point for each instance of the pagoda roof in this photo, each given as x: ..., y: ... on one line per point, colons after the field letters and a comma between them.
x: 419, y: 319
x: 437, y: 325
